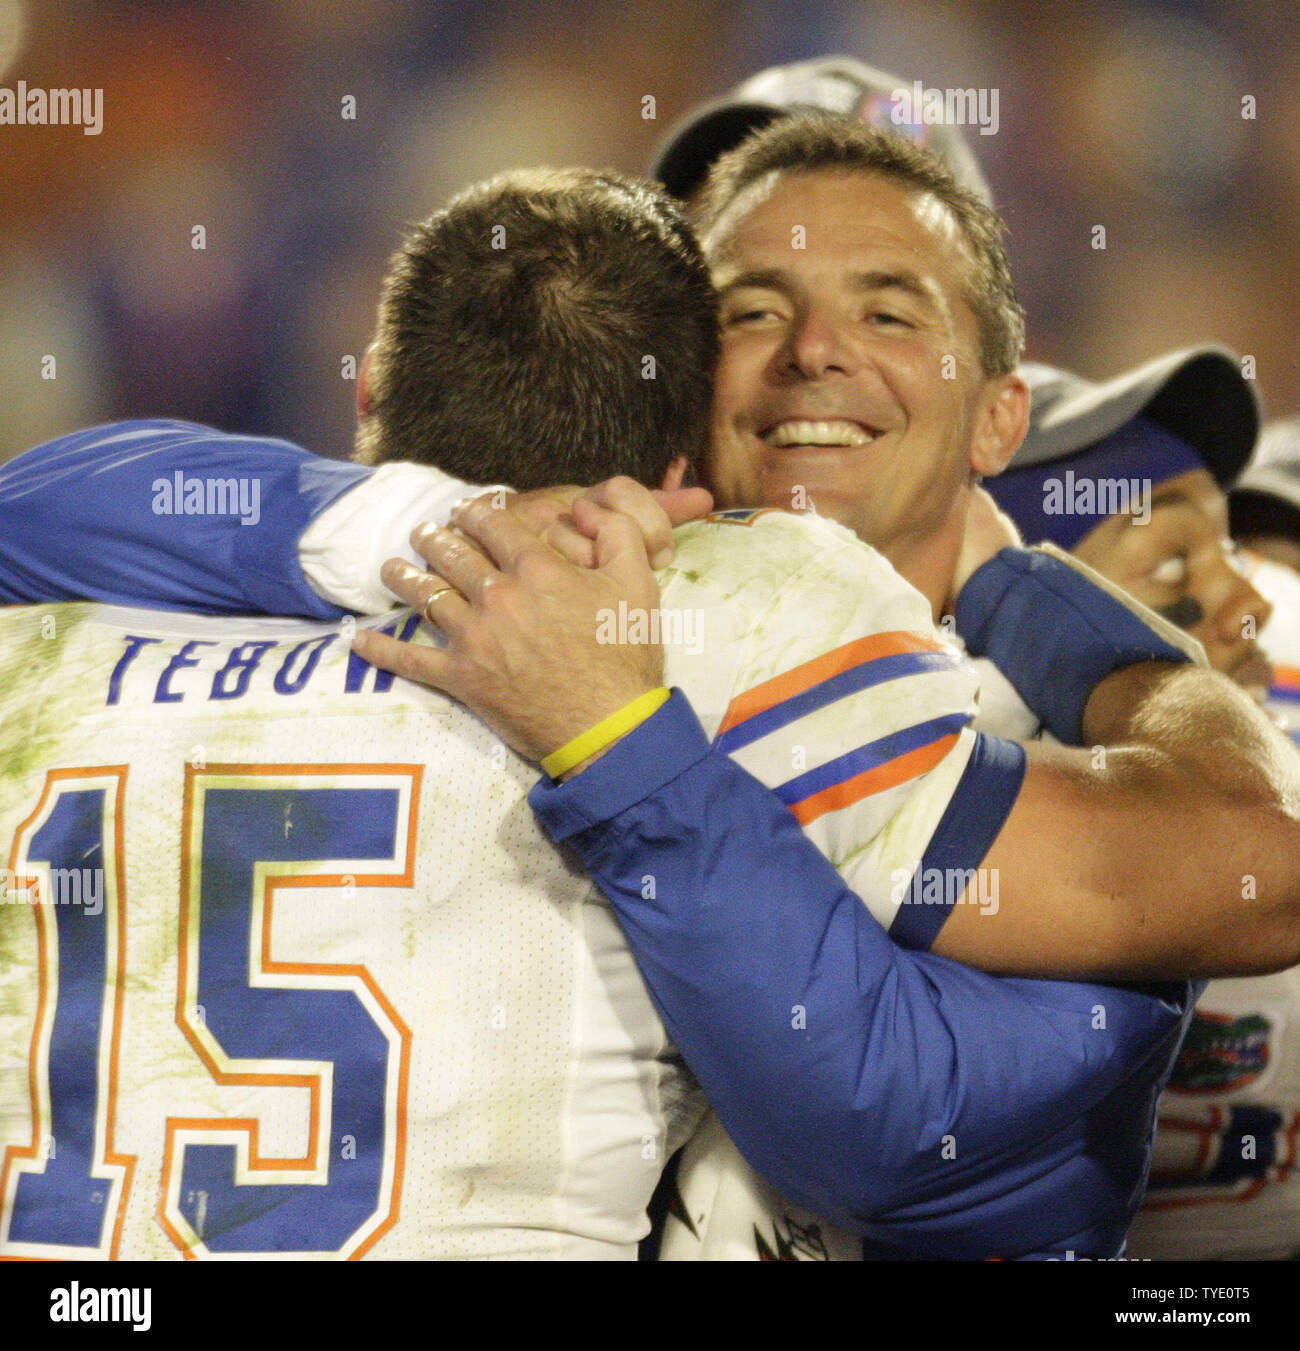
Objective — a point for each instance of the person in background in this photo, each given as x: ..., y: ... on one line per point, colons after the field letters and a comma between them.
x: 1264, y: 513
x: 1143, y: 499
x: 1145, y: 505
x: 1223, y: 1183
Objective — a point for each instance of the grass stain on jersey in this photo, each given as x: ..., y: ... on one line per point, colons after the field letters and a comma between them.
x: 39, y: 666
x: 36, y: 714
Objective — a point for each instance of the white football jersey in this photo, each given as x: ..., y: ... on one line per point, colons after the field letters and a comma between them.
x: 1224, y: 1183
x: 287, y: 969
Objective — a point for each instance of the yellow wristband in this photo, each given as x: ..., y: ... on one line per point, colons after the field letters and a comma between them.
x: 605, y: 732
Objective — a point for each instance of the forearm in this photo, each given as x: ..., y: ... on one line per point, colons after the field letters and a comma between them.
x: 1171, y: 841
x: 1207, y: 729
x: 1191, y: 750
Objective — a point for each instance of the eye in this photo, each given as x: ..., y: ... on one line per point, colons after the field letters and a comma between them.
x: 887, y: 319
x: 1170, y: 572
x: 749, y: 316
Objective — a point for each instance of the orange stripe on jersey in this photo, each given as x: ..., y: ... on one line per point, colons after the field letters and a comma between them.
x: 820, y: 669
x: 839, y: 795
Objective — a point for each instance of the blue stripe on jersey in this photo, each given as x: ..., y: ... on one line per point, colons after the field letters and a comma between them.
x: 985, y: 794
x: 871, y: 756
x: 862, y: 677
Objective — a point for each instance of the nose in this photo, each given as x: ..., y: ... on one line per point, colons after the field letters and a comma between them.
x: 1234, y: 613
x: 817, y: 345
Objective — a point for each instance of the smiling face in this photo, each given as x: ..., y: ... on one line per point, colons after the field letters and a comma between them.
x: 1181, y: 563
x: 850, y: 375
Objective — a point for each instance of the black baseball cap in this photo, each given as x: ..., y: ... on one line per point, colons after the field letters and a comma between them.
x: 1266, y: 498
x: 1197, y: 393
x: 833, y: 84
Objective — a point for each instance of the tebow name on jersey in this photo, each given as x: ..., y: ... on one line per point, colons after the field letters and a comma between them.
x: 154, y: 670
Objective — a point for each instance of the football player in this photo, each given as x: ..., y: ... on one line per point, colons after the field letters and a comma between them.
x: 289, y: 970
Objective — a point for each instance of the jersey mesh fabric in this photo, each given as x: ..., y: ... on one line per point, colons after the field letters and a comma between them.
x: 462, y: 983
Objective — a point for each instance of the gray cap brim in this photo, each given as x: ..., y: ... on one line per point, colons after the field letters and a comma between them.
x: 834, y: 84
x: 1197, y: 393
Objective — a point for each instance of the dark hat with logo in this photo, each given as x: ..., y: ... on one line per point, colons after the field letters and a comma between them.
x: 1197, y: 394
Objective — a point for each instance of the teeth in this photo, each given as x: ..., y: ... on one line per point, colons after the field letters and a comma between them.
x: 833, y: 433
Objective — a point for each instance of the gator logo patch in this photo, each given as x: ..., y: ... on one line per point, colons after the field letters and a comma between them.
x: 739, y: 515
x: 1222, y: 1053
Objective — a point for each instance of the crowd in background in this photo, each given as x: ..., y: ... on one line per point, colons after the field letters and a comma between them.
x: 236, y: 116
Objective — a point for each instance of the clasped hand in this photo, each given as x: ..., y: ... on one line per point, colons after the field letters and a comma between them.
x: 518, y: 588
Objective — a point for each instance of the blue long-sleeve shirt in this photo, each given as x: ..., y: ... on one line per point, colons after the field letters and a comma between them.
x: 933, y: 1108
x: 167, y: 515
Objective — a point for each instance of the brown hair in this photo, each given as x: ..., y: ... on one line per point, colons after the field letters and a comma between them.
x: 547, y: 326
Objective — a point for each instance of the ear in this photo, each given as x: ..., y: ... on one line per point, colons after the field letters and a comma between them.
x: 675, y: 473
x: 1001, y: 421
x: 363, y: 382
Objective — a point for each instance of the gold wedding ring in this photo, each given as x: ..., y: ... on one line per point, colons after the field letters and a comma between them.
x: 430, y: 598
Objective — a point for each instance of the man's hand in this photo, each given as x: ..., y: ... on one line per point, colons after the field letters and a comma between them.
x: 532, y: 637
x: 655, y: 512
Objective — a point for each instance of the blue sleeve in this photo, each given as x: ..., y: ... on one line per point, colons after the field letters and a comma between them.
x: 898, y: 1093
x: 168, y: 515
x: 1055, y: 633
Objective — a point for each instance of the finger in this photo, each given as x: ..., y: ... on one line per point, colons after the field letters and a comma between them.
x: 540, y: 506
x: 425, y: 665
x: 428, y: 593
x: 626, y: 495
x: 502, y: 535
x: 537, y: 512
x: 685, y: 504
x: 676, y: 474
x: 403, y: 579
x: 619, y: 546
x: 568, y: 541
x: 454, y: 558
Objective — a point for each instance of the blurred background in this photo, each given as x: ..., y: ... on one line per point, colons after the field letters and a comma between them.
x: 229, y: 115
